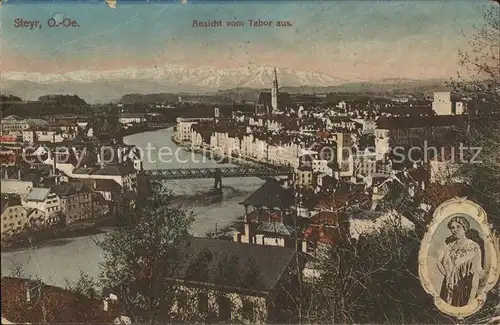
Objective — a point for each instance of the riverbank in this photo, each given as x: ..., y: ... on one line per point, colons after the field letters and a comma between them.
x: 54, y: 261
x: 27, y: 240
x: 124, y: 132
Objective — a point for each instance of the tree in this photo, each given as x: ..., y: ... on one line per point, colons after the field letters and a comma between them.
x: 482, y: 85
x: 481, y: 78
x: 375, y: 280
x: 17, y: 270
x: 372, y: 280
x: 85, y: 286
x: 139, y: 257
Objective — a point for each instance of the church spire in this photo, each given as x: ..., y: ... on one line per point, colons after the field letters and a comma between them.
x: 274, y: 92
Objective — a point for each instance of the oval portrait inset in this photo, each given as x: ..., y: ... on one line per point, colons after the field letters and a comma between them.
x: 459, y: 258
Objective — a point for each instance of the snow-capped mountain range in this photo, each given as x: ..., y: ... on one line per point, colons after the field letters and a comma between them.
x: 105, y: 86
x: 185, y: 77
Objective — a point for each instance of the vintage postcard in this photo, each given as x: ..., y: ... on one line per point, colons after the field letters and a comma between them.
x: 256, y: 162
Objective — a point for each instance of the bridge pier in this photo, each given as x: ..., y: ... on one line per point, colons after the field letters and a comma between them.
x: 218, y: 181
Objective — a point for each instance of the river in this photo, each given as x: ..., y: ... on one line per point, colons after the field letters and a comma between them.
x: 55, y: 261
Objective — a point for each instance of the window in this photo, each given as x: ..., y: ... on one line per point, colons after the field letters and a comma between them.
x: 203, y: 303
x: 182, y: 300
x: 224, y: 308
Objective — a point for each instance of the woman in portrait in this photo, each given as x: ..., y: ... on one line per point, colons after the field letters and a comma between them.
x: 461, y: 262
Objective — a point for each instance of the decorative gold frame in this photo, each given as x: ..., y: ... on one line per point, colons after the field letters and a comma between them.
x: 491, y: 242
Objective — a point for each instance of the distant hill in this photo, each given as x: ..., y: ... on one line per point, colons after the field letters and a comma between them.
x: 45, y: 105
x: 379, y: 86
x: 148, y: 98
x: 151, y: 91
x: 63, y: 99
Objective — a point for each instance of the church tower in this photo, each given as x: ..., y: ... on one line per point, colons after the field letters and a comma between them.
x: 274, y: 92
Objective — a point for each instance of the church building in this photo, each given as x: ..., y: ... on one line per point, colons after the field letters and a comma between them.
x: 269, y: 102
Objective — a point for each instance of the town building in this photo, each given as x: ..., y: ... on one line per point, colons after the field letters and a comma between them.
x: 75, y: 201
x: 406, y: 132
x: 183, y: 127
x: 26, y: 301
x: 50, y: 133
x: 14, y: 216
x: 269, y: 102
x: 42, y: 199
x: 442, y: 104
x: 16, y: 186
x: 252, y: 294
x: 131, y: 118
x: 15, y: 125
x: 123, y: 174
x: 268, y: 222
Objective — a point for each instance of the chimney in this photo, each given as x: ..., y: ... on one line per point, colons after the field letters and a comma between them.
x: 54, y: 163
x: 304, y: 246
x: 28, y: 293
x: 236, y: 236
x: 247, y: 232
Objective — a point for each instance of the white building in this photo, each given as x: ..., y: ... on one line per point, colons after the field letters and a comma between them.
x: 273, y: 125
x: 42, y: 199
x: 382, y: 143
x: 124, y: 175
x: 369, y: 125
x: 55, y: 135
x: 131, y: 118
x: 369, y: 223
x: 14, y: 186
x: 365, y: 163
x: 284, y: 155
x: 321, y: 166
x: 184, y: 129
x: 13, y: 218
x: 459, y: 108
x: 16, y: 125
x: 442, y: 104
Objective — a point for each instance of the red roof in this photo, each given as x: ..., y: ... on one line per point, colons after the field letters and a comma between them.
x: 321, y: 234
x: 61, y: 306
x: 8, y: 158
x: 325, y: 217
x: 8, y: 138
x: 322, y: 134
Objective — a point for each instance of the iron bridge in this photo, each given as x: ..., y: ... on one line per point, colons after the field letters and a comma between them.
x: 217, y: 173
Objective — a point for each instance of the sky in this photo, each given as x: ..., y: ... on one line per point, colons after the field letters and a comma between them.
x: 352, y: 40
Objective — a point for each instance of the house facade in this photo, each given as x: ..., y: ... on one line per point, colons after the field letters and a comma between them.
x: 254, y: 295
x: 42, y: 199
x: 13, y: 218
x: 75, y: 201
